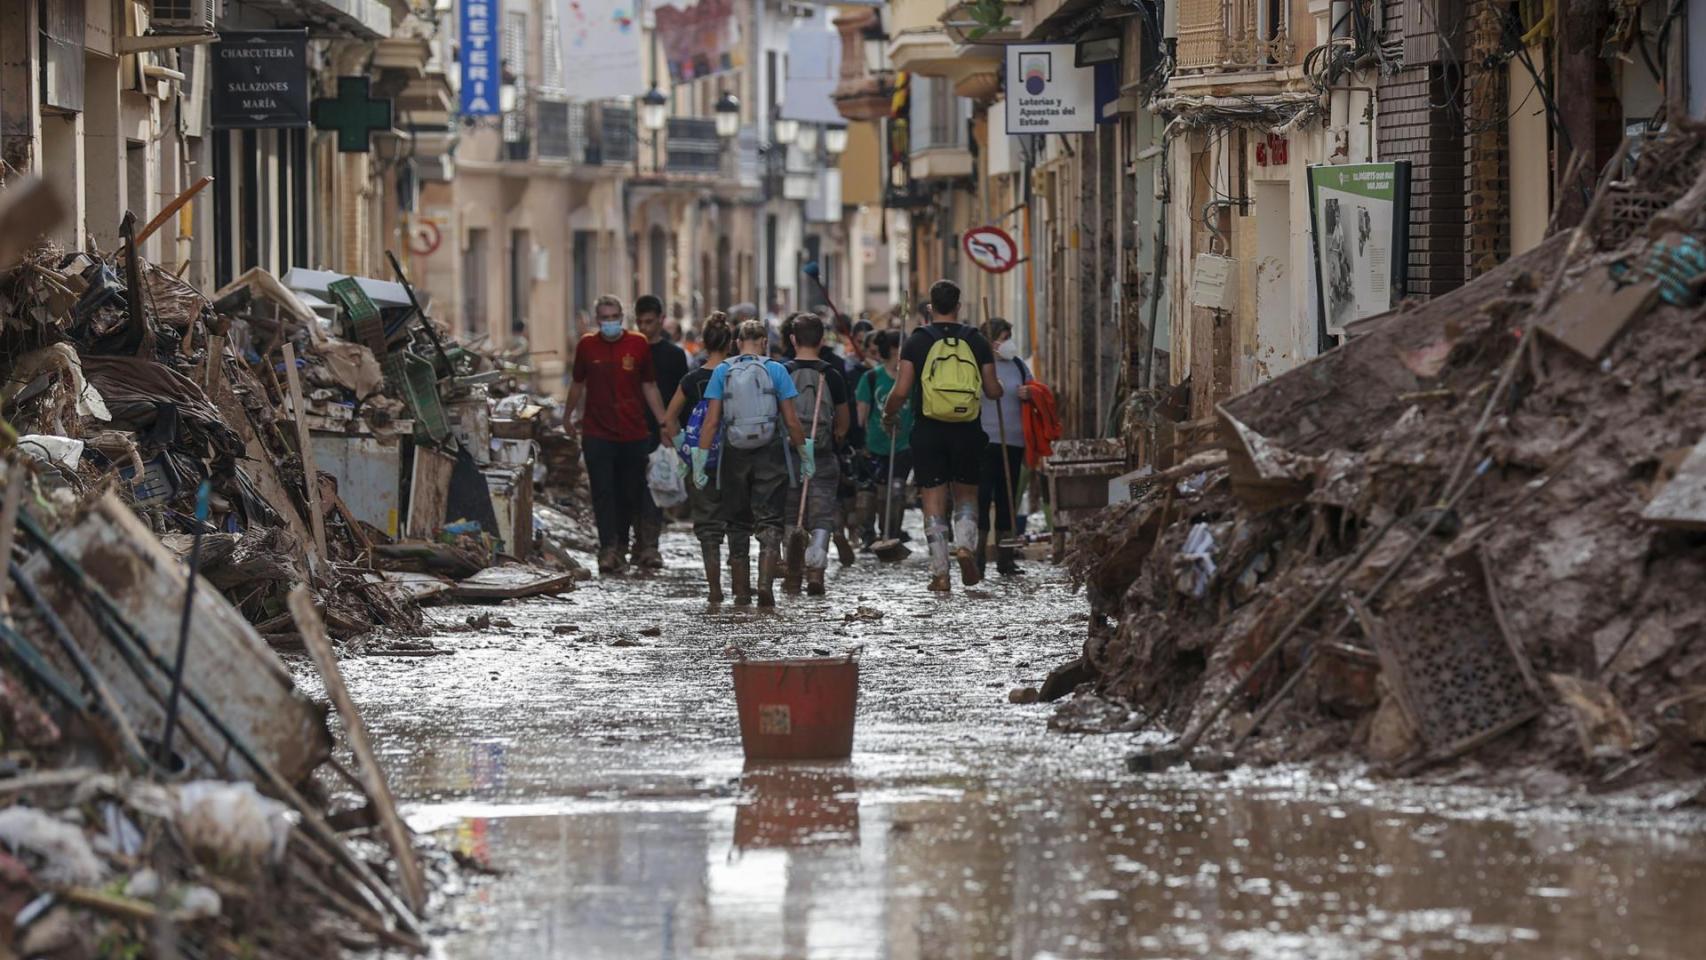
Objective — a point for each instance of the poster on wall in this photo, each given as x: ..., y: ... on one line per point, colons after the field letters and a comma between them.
x: 1360, y: 217
x: 601, y: 48
x: 1047, y: 92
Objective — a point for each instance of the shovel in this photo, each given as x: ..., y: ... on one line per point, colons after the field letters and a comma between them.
x: 890, y: 549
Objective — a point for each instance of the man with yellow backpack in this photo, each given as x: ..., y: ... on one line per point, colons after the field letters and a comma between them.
x: 953, y: 368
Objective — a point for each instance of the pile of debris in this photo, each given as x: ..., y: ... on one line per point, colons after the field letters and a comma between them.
x: 1475, y: 528
x: 426, y: 453
x: 192, y: 483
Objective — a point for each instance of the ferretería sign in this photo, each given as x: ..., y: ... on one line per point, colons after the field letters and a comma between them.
x: 260, y: 79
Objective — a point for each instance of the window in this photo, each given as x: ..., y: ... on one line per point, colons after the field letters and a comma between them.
x: 520, y: 280
x: 585, y: 245
x: 660, y: 260
x: 552, y: 46
x: 474, y: 283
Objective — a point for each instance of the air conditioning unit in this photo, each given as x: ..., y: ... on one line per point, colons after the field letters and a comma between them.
x: 184, y: 16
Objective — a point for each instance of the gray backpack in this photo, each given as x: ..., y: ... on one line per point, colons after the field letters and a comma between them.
x: 749, y: 404
x: 810, y: 382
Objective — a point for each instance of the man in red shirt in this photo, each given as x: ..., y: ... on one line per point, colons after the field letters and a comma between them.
x: 613, y: 372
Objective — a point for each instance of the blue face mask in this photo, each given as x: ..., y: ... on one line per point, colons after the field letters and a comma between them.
x: 610, y: 329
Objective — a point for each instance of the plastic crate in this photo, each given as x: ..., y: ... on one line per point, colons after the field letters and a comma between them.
x: 365, y: 322
x: 413, y: 378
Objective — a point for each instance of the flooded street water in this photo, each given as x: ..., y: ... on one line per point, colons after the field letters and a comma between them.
x: 600, y: 773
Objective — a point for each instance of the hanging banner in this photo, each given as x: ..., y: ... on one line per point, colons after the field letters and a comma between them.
x: 813, y: 69
x: 260, y: 80
x: 1360, y: 215
x: 481, y: 59
x: 699, y: 38
x: 601, y: 48
x: 1046, y: 93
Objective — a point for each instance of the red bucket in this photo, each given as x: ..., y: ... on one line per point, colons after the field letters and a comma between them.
x: 797, y: 709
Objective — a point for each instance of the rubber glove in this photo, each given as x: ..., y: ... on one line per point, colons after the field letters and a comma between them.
x: 700, y: 455
x: 808, y: 462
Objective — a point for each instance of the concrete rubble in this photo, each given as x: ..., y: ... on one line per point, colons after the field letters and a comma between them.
x: 1467, y: 540
x: 147, y: 427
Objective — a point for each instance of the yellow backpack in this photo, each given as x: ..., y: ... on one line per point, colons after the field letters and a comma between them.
x: 952, y: 377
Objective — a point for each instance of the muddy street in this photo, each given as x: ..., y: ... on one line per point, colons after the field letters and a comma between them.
x: 586, y: 750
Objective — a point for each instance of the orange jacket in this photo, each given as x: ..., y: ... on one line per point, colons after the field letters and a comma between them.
x: 1042, y: 423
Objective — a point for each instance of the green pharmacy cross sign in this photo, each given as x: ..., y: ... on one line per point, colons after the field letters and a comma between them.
x: 353, y: 114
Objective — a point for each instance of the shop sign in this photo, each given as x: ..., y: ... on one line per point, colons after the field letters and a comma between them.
x: 481, y: 64
x: 1047, y: 92
x: 260, y: 80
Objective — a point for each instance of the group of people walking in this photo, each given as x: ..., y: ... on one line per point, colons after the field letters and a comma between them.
x: 790, y: 444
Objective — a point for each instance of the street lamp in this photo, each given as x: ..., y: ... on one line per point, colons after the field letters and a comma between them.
x: 807, y: 138
x: 876, y: 47
x: 728, y: 116
x: 784, y: 131
x: 654, y: 109
x: 835, y: 139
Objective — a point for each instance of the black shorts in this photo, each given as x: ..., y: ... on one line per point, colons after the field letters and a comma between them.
x: 946, y: 452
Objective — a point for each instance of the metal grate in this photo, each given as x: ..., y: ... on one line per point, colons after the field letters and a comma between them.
x: 555, y: 141
x: 1460, y: 676
x: 694, y: 146
x: 616, y: 135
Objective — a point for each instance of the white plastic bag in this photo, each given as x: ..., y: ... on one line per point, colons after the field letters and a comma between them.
x: 667, y: 477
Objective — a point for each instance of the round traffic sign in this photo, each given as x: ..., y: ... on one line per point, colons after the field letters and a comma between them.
x: 991, y: 248
x: 424, y: 237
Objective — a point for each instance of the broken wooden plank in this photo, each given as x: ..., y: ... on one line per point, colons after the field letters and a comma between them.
x: 372, y: 775
x: 305, y: 447
x: 513, y: 582
x: 1681, y: 504
x: 429, y: 491
x: 1597, y: 309
x: 231, y: 665
x: 409, y: 586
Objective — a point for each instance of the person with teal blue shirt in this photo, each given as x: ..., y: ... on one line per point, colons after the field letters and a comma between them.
x: 890, y: 458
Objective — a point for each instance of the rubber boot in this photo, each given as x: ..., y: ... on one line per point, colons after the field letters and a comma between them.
x: 713, y: 572
x: 936, y: 541
x: 966, y: 541
x: 740, y: 573
x: 796, y: 563
x: 814, y: 581
x: 865, y: 518
x: 1006, y: 558
x: 648, y: 528
x: 843, y: 549
x: 982, y: 553
x: 769, y: 558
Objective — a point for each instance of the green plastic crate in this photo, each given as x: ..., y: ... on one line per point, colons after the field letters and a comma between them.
x: 365, y: 321
x: 412, y: 377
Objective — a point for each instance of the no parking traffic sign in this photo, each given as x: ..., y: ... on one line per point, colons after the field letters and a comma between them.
x: 991, y: 249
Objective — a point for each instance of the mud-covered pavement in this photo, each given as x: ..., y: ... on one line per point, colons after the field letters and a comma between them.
x: 599, y: 771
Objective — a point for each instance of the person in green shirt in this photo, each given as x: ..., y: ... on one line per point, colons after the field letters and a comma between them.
x: 890, y: 457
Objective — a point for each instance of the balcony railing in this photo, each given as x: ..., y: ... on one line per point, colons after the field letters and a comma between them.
x: 1234, y: 35
x: 598, y: 134
x: 693, y: 146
